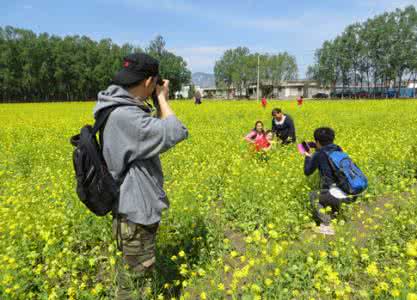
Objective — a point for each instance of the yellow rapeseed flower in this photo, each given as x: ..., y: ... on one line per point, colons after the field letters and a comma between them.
x: 335, y: 253
x: 226, y: 268
x: 256, y: 288
x: 412, y: 248
x: 411, y: 264
x: 268, y: 282
x: 273, y: 234
x: 372, y: 269
x: 412, y: 296
x: 395, y: 293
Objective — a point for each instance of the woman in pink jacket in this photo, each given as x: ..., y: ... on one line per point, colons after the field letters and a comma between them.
x: 257, y: 134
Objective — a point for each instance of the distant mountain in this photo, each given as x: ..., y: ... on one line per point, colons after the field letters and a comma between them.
x: 203, y: 80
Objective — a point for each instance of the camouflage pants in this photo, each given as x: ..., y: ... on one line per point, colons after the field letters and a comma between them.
x: 137, y: 244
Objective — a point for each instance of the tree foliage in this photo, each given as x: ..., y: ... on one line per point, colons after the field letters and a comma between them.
x: 238, y: 68
x: 172, y: 67
x: 49, y: 68
x: 381, y: 52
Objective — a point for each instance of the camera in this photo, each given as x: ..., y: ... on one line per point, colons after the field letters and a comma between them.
x: 155, y: 101
x: 159, y: 80
x: 308, y: 145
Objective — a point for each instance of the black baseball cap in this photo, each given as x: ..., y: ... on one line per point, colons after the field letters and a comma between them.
x: 136, y: 68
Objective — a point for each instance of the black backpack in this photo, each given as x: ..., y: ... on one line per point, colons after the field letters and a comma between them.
x: 96, y: 187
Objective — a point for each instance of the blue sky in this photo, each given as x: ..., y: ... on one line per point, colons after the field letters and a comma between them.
x: 200, y: 31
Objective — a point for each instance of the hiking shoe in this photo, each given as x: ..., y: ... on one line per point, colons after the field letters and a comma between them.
x: 325, y: 229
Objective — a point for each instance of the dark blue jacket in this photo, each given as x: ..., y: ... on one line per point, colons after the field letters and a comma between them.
x: 320, y: 161
x: 285, y: 131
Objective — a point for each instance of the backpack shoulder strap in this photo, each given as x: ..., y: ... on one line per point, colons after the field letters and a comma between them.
x: 332, y: 166
x: 102, y: 120
x: 103, y: 115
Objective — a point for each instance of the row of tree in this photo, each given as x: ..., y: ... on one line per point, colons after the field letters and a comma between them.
x: 238, y: 68
x: 381, y: 52
x: 49, y: 68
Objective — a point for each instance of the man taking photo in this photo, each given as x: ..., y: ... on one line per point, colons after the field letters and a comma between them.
x: 132, y: 142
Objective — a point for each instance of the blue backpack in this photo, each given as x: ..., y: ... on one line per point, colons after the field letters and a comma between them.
x: 350, y: 178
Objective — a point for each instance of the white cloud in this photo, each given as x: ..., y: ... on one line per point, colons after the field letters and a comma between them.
x: 227, y: 18
x: 200, y: 59
x: 303, y: 33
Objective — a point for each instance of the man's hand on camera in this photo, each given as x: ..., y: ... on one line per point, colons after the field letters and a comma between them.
x: 162, y: 91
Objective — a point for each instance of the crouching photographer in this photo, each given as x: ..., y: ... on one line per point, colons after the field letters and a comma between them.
x: 341, y: 180
x: 132, y: 140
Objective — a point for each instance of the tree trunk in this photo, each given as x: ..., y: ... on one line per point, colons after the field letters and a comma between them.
x: 409, y: 81
x: 355, y: 84
x: 400, y: 76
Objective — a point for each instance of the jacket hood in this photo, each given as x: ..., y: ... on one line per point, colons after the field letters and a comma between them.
x: 115, y: 95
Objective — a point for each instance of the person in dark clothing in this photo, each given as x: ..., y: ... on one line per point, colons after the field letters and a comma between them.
x: 330, y: 195
x: 283, y: 126
x: 197, y: 98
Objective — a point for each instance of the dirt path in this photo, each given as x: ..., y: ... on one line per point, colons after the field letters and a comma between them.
x: 366, y: 215
x: 373, y: 212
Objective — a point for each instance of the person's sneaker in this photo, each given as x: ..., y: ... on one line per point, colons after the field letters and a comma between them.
x: 325, y: 229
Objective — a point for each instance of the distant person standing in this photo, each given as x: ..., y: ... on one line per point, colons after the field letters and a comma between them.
x: 283, y: 126
x: 197, y: 98
x: 264, y: 102
x: 300, y: 100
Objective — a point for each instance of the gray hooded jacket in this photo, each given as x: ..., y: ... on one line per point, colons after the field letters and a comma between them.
x: 133, y: 140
